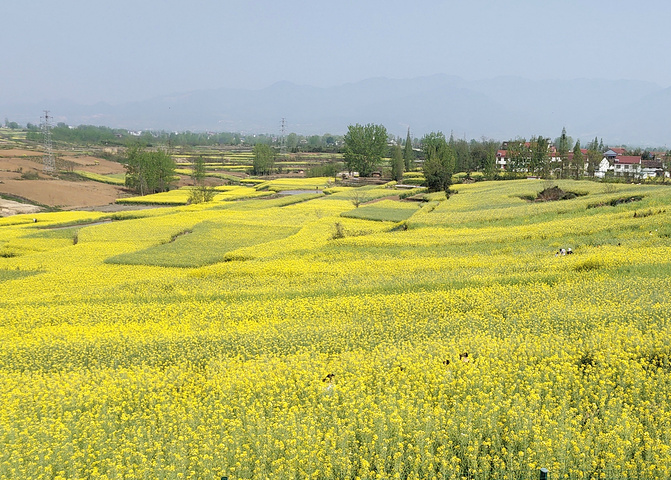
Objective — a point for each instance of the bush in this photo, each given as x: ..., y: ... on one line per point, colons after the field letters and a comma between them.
x: 30, y: 176
x: 339, y: 231
x: 201, y: 194
x: 324, y: 170
x: 412, y: 192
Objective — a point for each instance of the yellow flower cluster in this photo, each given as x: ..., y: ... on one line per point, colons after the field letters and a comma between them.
x: 274, y: 338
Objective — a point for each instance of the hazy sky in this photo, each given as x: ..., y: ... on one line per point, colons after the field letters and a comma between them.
x: 121, y: 50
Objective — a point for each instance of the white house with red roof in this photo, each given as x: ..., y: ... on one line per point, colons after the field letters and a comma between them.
x: 634, y: 166
x: 627, y: 165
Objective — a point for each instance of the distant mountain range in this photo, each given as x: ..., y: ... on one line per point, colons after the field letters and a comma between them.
x: 619, y: 111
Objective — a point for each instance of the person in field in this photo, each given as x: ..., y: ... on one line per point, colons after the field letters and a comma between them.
x: 329, y: 379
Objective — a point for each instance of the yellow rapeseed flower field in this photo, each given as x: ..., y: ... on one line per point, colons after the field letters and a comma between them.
x: 277, y: 339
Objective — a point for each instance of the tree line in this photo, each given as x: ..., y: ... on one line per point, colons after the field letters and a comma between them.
x: 535, y: 157
x: 363, y: 147
x: 98, y: 135
x: 440, y: 157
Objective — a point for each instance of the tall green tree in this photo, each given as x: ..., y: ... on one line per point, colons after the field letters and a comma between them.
x: 198, y: 170
x: 314, y: 141
x: 462, y: 155
x: 539, y: 163
x: 577, y: 162
x: 200, y: 193
x: 563, y: 146
x: 149, y: 171
x: 397, y: 164
x: 364, y: 147
x: 408, y: 154
x: 264, y: 159
x: 439, y: 162
x: 292, y: 142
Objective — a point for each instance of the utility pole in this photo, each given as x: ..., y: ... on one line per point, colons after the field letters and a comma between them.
x: 283, y: 140
x: 48, y: 162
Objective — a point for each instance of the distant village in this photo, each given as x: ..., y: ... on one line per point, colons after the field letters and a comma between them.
x: 615, y: 162
x: 537, y: 157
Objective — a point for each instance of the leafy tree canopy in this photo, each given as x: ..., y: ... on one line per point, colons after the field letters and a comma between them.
x: 364, y: 147
x: 397, y: 164
x: 439, y: 162
x: 149, y: 171
x: 264, y: 159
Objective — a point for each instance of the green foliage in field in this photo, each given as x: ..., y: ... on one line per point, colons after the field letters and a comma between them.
x: 112, y: 179
x: 206, y: 243
x: 366, y: 194
x: 6, y: 275
x: 181, y: 196
x: 281, y: 184
x: 416, y: 191
x: 384, y: 211
x: 224, y: 176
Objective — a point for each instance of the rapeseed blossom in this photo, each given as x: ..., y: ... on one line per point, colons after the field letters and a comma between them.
x: 119, y: 359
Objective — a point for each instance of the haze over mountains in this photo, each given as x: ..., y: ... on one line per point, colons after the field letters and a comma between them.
x: 619, y: 111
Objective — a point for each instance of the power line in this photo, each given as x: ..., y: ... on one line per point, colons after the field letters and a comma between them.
x: 283, y: 141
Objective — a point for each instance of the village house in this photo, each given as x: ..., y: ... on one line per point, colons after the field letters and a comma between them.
x: 627, y: 165
x: 615, y: 160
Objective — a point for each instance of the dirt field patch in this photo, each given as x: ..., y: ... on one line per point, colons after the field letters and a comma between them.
x: 9, y: 207
x: 94, y: 164
x: 15, y: 166
x: 17, y: 152
x: 62, y: 193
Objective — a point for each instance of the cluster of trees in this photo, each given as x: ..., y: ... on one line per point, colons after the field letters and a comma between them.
x: 365, y: 145
x: 439, y: 162
x: 363, y: 148
x: 87, y: 134
x: 90, y: 134
x: 264, y: 159
x: 149, y: 171
x: 476, y: 155
x: 312, y: 143
x: 534, y: 157
x: 11, y: 125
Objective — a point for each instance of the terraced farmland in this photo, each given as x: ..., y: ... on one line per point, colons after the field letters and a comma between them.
x: 282, y: 338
